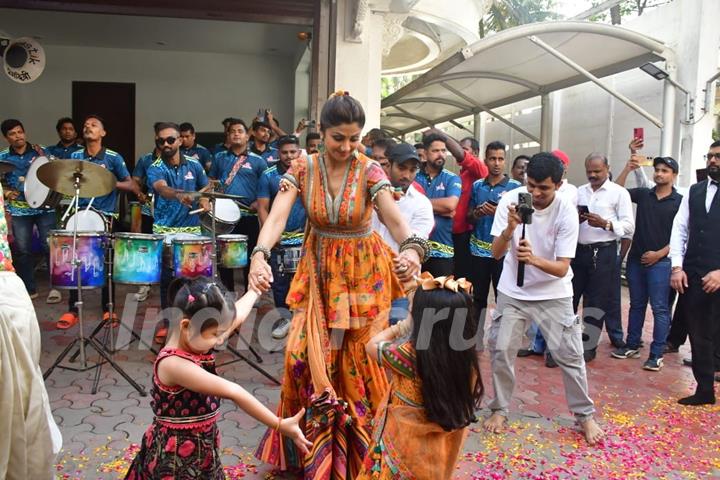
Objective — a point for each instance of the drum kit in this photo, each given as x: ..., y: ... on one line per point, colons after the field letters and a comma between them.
x: 86, y: 255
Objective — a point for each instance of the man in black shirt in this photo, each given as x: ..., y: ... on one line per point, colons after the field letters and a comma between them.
x: 648, y: 265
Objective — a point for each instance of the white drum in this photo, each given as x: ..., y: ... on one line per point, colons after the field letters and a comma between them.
x: 227, y: 215
x: 36, y: 193
x: 87, y: 221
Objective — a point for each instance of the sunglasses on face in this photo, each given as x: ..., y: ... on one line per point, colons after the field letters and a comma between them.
x: 162, y: 141
x: 710, y: 156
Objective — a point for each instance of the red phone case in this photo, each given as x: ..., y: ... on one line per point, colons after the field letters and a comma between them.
x: 639, y: 133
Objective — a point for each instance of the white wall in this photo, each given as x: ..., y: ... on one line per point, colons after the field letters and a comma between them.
x: 202, y: 88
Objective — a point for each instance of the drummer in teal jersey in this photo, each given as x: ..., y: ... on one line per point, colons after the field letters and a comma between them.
x: 289, y: 148
x: 239, y: 171
x: 170, y: 175
x: 95, y: 152
x: 21, y: 154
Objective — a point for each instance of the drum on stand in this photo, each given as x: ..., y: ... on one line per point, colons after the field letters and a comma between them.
x: 232, y: 251
x: 91, y: 253
x: 37, y: 194
x: 137, y: 258
x: 88, y: 220
x: 227, y: 215
x: 192, y: 257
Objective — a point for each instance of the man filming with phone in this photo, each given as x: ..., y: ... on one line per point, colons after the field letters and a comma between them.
x: 548, y: 222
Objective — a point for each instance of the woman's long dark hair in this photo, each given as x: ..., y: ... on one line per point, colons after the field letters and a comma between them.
x: 451, y: 384
x: 341, y: 109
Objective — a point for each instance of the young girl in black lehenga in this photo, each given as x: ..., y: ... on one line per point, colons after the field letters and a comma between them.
x: 183, y: 440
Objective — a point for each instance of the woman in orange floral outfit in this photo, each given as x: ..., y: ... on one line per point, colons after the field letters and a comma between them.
x: 340, y: 295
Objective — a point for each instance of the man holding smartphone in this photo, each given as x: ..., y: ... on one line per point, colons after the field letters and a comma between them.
x: 546, y: 295
x: 484, y: 198
x: 606, y: 216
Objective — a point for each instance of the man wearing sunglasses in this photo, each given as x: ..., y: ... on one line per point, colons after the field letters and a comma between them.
x: 169, y: 176
x: 94, y: 151
x: 695, y: 257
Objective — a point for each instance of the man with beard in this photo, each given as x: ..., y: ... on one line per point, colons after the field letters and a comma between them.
x: 545, y: 247
x: 695, y: 257
x: 170, y: 175
x: 95, y: 152
x: 190, y: 147
x: 260, y: 143
x: 239, y: 171
x: 68, y: 143
x: 414, y: 207
x: 443, y: 188
x: 648, y: 265
x: 484, y: 197
x: 268, y: 188
x: 608, y: 218
x: 517, y: 172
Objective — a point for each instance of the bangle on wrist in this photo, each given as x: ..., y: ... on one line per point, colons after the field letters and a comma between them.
x: 279, y: 422
x: 420, y: 245
x: 507, y: 239
x: 264, y: 250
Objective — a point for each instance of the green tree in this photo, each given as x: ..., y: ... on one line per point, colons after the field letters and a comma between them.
x: 504, y: 14
x: 625, y: 9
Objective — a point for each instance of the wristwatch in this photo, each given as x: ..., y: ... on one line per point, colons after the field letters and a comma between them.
x: 608, y: 226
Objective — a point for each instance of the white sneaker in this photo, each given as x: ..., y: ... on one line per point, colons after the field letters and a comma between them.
x: 281, y: 330
x: 143, y: 293
x: 54, y: 296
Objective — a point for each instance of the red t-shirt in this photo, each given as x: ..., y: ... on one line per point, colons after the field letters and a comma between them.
x: 471, y: 169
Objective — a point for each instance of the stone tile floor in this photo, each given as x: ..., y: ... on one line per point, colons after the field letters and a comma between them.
x: 650, y: 436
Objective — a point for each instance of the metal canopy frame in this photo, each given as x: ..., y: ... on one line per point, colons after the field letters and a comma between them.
x: 647, y: 50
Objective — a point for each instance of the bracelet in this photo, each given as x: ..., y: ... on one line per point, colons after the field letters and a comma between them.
x: 676, y: 268
x: 380, y: 346
x: 420, y: 245
x: 277, y: 428
x: 502, y: 234
x: 259, y: 248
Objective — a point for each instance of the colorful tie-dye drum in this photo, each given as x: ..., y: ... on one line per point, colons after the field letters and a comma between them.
x: 232, y: 251
x: 137, y: 258
x: 291, y: 258
x: 192, y: 257
x: 90, y: 251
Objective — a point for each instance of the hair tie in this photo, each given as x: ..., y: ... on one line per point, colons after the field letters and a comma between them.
x: 427, y: 282
x: 340, y: 93
x: 191, y: 298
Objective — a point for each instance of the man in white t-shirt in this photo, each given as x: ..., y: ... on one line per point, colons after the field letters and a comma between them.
x: 546, y: 294
x: 415, y: 207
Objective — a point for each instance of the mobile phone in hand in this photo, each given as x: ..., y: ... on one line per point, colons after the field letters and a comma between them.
x: 583, y: 209
x: 639, y: 134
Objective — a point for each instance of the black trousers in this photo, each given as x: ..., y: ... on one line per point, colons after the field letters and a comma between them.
x: 593, y: 270
x: 702, y: 311
x: 438, y: 266
x: 246, y: 226
x: 462, y: 257
x: 483, y: 272
x: 678, y: 327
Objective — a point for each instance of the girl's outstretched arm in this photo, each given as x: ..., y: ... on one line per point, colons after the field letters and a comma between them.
x: 243, y: 307
x: 179, y: 371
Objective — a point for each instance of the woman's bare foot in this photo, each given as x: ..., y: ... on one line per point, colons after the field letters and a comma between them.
x: 495, y: 422
x: 593, y: 432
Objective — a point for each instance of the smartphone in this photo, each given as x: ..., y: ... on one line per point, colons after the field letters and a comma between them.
x: 639, y: 133
x: 493, y: 203
x: 583, y: 209
x: 261, y: 114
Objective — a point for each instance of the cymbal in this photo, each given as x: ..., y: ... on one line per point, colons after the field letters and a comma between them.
x: 211, y: 195
x: 6, y: 167
x: 95, y: 181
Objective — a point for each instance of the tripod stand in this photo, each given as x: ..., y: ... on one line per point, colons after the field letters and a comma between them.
x: 82, y: 340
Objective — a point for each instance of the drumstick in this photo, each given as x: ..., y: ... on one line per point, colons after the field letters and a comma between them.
x: 196, y: 211
x: 90, y: 204
x: 67, y: 212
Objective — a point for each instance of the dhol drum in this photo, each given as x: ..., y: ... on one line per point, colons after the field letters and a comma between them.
x: 192, y: 257
x: 36, y: 193
x: 232, y: 251
x: 291, y: 258
x: 137, y: 258
x: 227, y: 215
x: 90, y: 249
x: 88, y: 220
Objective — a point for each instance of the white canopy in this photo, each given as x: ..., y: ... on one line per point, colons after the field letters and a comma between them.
x: 514, y: 65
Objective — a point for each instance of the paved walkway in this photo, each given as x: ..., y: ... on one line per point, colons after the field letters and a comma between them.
x: 650, y: 436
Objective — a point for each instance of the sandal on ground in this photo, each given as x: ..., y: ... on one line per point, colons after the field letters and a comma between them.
x: 115, y: 322
x: 68, y: 320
